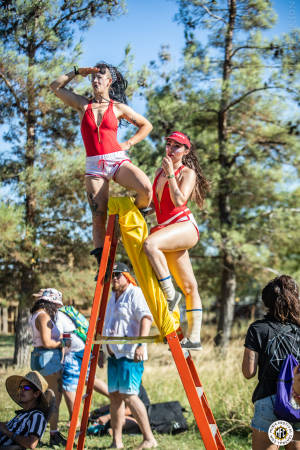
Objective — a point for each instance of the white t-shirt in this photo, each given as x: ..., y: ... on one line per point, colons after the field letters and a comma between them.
x: 123, y: 318
x: 66, y: 325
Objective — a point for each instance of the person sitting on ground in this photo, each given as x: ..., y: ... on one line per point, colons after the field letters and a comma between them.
x: 36, y: 400
x: 127, y: 314
x: 265, y: 353
x: 179, y: 179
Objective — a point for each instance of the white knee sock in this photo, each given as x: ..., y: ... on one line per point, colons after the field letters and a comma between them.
x: 167, y: 287
x: 194, y: 320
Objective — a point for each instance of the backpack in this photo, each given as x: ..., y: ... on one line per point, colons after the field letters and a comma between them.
x: 167, y: 417
x: 284, y: 348
x: 283, y: 408
x: 81, y: 323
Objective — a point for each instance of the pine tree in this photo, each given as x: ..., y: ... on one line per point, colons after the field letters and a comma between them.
x: 43, y: 171
x: 235, y: 97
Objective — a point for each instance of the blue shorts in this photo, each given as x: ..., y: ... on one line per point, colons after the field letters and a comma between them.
x: 46, y: 361
x: 124, y: 375
x: 264, y: 414
x: 71, y: 370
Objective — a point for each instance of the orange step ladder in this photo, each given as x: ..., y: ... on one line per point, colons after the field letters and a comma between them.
x: 203, y: 415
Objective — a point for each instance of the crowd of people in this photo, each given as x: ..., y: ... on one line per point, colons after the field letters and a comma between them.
x: 39, y: 392
x: 56, y: 361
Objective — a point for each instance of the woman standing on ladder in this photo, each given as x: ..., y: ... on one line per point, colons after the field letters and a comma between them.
x: 106, y: 158
x: 179, y: 178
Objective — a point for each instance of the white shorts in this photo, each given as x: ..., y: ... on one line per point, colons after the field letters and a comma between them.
x: 105, y: 166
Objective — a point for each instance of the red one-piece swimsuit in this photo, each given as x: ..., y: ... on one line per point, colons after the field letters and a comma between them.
x: 166, y: 212
x: 104, y: 154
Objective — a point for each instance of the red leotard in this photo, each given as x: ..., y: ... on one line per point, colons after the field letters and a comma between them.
x: 166, y: 212
x: 103, y: 139
x: 165, y: 209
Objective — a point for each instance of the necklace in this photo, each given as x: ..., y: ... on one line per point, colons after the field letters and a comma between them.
x: 101, y: 101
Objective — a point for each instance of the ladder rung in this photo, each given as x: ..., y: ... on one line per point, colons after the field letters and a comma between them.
x: 199, y: 391
x: 127, y: 339
x: 213, y: 428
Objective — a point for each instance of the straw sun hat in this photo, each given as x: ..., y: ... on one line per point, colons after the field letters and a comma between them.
x: 13, y: 382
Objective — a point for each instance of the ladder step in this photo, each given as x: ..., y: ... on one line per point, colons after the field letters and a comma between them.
x: 199, y: 391
x: 213, y: 428
x: 127, y: 339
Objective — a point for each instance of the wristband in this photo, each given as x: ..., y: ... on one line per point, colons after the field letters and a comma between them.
x: 171, y: 176
x: 139, y: 345
x: 76, y: 72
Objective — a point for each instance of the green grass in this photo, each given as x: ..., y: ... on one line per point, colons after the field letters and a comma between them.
x: 228, y: 393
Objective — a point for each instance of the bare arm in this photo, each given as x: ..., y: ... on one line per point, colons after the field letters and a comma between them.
x: 143, y: 125
x: 27, y: 442
x: 42, y: 324
x: 145, y: 327
x: 249, y: 365
x: 66, y: 95
x: 180, y: 191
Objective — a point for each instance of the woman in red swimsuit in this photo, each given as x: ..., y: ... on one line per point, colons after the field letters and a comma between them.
x: 106, y: 158
x: 179, y: 178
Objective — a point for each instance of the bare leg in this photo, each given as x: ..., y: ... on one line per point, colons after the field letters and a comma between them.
x: 261, y: 441
x: 69, y: 397
x: 176, y: 237
x: 97, y: 189
x: 139, y: 412
x: 131, y: 177
x: 101, y: 387
x: 181, y: 268
x: 55, y: 383
x: 295, y: 444
x: 117, y: 412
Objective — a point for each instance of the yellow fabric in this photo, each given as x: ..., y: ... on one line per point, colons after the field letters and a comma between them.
x: 134, y: 231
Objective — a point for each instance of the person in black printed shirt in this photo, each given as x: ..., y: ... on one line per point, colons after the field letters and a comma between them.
x: 262, y: 351
x: 27, y: 427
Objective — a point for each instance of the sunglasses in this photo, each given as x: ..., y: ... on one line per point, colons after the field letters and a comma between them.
x: 116, y: 274
x: 25, y: 387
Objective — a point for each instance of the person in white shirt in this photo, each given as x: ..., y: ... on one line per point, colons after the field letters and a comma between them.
x: 72, y: 360
x: 127, y: 314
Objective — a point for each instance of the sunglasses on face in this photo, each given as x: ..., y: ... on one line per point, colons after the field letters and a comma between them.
x: 25, y: 387
x: 116, y: 274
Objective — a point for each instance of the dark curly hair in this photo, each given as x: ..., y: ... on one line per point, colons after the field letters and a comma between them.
x: 281, y: 297
x: 202, y: 184
x: 119, y: 84
x: 49, y: 307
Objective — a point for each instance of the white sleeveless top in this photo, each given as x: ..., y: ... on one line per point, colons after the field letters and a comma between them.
x: 37, y: 341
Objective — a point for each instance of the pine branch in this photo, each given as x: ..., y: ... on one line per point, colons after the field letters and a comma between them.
x: 210, y: 13
x: 14, y: 94
x: 242, y: 97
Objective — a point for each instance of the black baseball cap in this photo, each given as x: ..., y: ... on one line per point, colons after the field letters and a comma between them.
x: 120, y: 267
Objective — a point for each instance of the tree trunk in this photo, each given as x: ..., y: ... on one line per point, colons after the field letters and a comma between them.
x: 228, y: 287
x: 23, y: 337
x: 28, y: 278
x: 4, y: 320
x: 228, y: 279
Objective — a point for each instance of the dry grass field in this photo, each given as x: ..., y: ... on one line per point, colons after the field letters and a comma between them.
x: 228, y: 393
